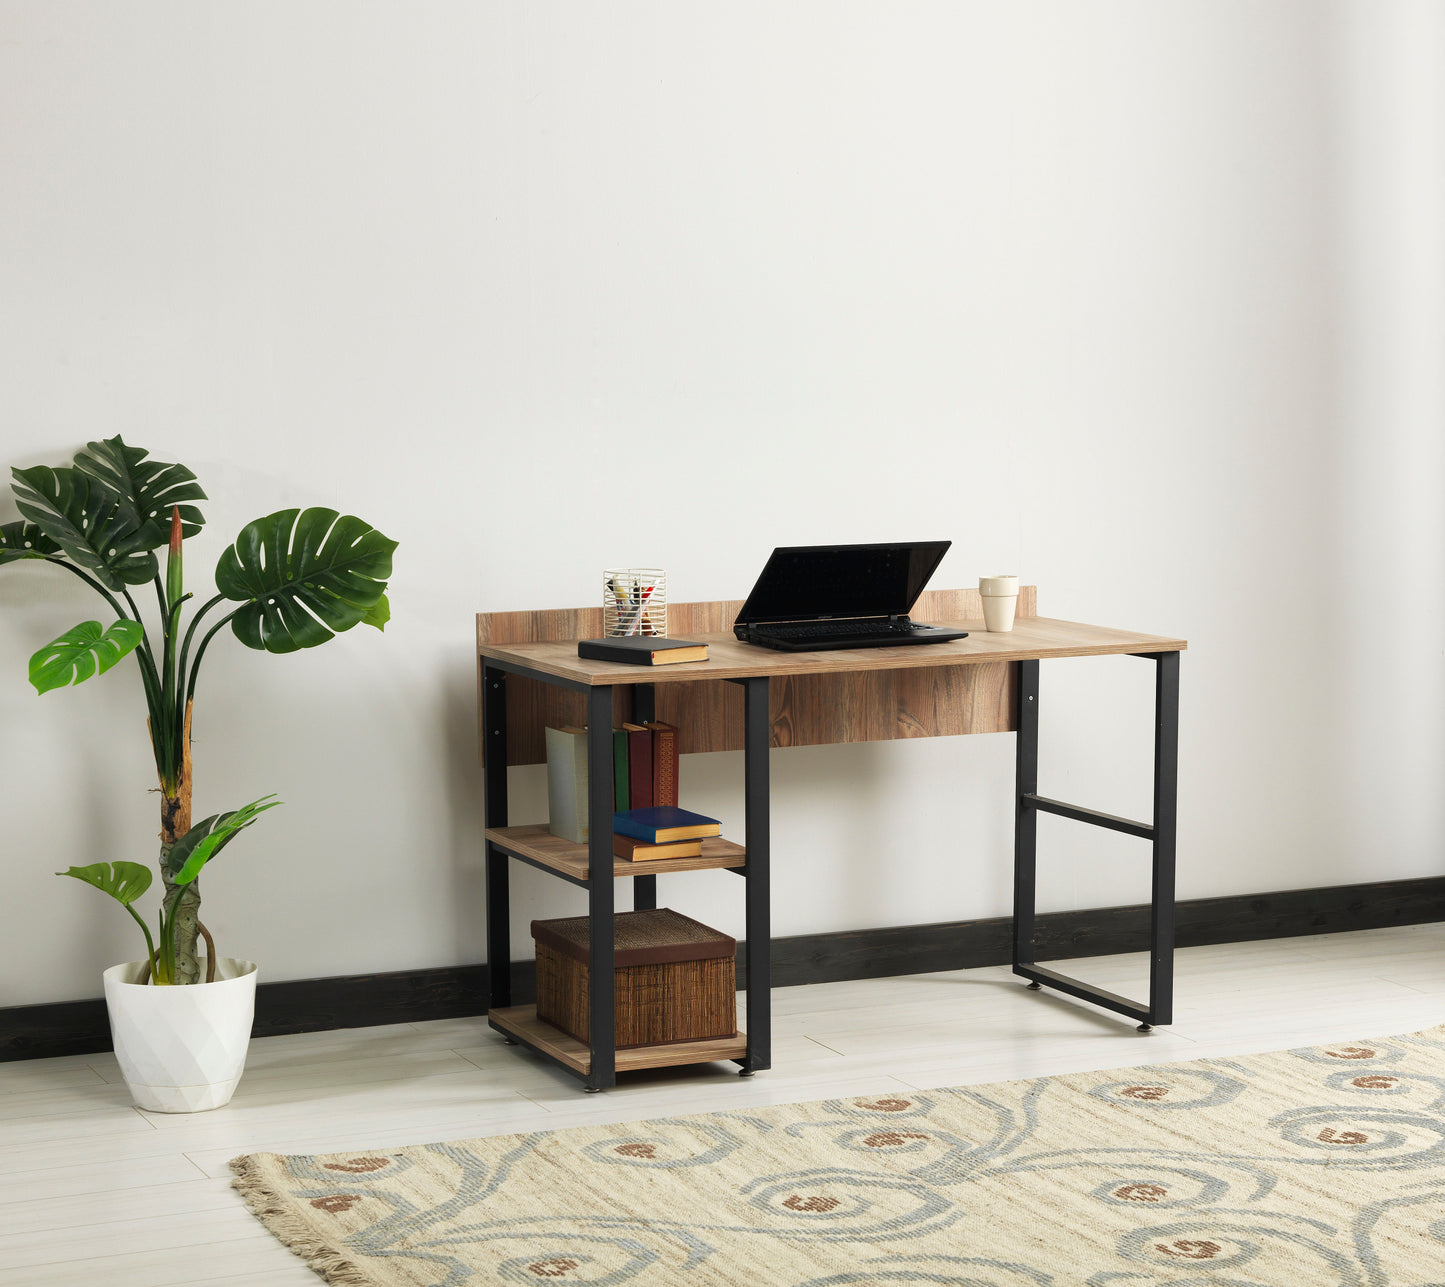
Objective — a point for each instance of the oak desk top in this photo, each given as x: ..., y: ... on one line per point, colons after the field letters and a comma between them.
x: 1032, y: 638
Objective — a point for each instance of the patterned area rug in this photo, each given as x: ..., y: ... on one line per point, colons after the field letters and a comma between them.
x: 1290, y: 1169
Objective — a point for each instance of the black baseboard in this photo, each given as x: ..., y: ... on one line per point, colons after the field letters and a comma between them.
x: 450, y: 992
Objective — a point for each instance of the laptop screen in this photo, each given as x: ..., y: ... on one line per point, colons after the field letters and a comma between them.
x: 802, y: 582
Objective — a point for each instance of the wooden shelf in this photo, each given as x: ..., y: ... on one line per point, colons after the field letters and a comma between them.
x: 521, y: 1021
x: 541, y: 846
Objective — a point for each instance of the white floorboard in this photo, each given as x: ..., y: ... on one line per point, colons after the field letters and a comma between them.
x: 92, y: 1190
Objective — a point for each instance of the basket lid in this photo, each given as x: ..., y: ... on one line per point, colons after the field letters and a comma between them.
x: 640, y: 938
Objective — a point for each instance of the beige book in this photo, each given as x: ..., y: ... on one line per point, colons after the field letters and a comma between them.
x: 567, y: 783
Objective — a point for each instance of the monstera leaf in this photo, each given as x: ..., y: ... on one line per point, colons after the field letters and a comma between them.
x: 302, y: 576
x: 206, y: 839
x: 24, y: 541
x: 86, y: 521
x: 378, y: 614
x: 123, y: 881
x: 81, y: 652
x: 143, y: 490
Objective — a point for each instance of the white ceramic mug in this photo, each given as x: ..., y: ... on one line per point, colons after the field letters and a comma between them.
x: 1000, y: 601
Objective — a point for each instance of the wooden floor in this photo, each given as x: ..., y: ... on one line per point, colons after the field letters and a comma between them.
x: 95, y: 1191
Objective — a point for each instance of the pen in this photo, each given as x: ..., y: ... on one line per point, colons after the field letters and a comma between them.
x: 637, y: 617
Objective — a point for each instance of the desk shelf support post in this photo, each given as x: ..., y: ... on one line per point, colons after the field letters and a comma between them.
x: 757, y: 734
x: 499, y: 928
x: 602, y: 1071
x: 1166, y: 804
x: 1026, y: 821
x: 644, y: 711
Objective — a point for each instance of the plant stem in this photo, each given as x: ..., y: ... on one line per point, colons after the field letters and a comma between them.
x: 93, y: 584
x: 173, y: 713
x: 201, y: 652
x: 183, y: 706
x: 162, y: 973
x: 135, y: 612
x: 144, y: 659
x: 150, y: 942
x: 167, y: 685
x: 191, y: 629
x: 210, y: 951
x: 160, y: 698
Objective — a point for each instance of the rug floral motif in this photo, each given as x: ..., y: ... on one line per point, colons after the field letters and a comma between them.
x: 1323, y: 1166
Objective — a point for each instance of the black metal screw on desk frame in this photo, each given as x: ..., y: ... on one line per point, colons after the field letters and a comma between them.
x: 1160, y: 833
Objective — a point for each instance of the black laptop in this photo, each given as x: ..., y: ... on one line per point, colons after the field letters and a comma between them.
x: 813, y: 597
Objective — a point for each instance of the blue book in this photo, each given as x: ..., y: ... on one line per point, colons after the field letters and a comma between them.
x: 663, y: 823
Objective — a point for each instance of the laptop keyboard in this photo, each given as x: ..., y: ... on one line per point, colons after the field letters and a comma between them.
x: 835, y: 629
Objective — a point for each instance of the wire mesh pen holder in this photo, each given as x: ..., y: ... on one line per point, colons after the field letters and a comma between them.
x: 634, y: 602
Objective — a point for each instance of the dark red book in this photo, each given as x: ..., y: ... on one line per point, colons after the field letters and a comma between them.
x: 664, y: 763
x: 639, y: 765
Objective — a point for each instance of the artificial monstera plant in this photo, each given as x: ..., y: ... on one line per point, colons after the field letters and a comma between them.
x: 291, y: 580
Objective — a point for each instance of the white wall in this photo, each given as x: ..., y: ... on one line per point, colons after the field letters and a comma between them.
x: 543, y: 288
x: 1389, y: 532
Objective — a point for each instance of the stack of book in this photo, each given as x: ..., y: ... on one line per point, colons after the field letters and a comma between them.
x: 663, y: 831
x: 644, y: 783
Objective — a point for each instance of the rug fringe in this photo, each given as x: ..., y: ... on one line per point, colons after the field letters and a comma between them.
x: 270, y: 1208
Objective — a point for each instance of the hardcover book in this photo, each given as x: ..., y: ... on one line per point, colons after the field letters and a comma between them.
x: 639, y: 766
x: 659, y: 825
x: 620, y: 785
x: 664, y: 763
x: 567, y: 783
x: 642, y: 650
x: 639, y: 851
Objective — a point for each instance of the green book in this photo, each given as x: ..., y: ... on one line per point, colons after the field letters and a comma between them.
x: 619, y: 768
x: 567, y: 783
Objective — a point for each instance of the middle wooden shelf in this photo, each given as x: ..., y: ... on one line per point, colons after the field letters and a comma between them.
x: 536, y: 844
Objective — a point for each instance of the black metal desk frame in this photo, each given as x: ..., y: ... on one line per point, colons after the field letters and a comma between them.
x: 600, y: 881
x: 1160, y: 833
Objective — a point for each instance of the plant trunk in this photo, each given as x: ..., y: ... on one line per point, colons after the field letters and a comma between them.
x: 175, y: 822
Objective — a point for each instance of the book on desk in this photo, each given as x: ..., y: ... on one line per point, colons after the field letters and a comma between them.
x: 642, y: 650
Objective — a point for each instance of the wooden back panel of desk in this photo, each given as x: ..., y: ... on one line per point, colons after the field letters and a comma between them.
x: 805, y: 710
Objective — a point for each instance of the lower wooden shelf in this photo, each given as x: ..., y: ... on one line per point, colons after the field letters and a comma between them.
x: 541, y: 846
x: 521, y: 1022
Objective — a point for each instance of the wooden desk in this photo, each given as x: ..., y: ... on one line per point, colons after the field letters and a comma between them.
x: 754, y: 699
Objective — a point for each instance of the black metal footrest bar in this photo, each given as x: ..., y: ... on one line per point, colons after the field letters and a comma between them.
x: 1092, y: 816
x: 1074, y: 988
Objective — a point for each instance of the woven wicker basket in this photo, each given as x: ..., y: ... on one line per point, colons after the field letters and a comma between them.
x: 675, y: 979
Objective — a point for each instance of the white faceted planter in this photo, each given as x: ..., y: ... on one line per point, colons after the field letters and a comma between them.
x: 181, y: 1049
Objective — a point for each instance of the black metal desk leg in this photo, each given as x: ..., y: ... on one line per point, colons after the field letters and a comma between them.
x: 644, y: 711
x: 757, y: 730
x: 1026, y: 819
x: 602, y: 1014
x: 1160, y: 834
x: 1166, y: 795
x: 499, y: 929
